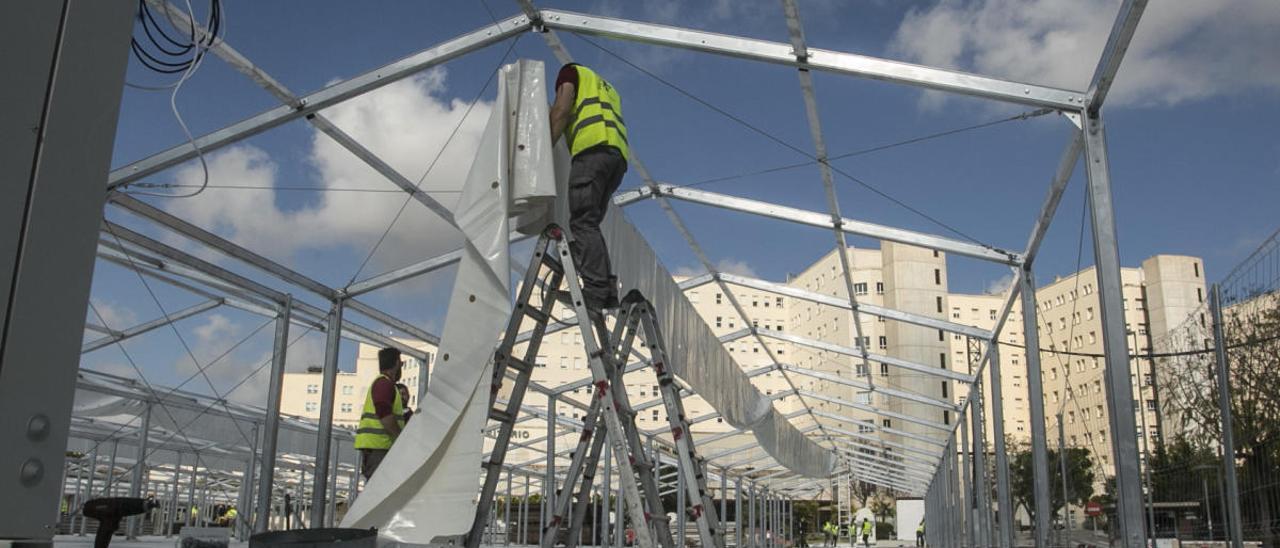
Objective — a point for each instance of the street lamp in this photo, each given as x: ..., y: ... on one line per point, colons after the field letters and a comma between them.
x: 1204, y: 483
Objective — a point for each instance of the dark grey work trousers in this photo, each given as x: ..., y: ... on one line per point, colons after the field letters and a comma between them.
x: 594, y: 175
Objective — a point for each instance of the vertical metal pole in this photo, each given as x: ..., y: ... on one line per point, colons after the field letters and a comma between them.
x: 1066, y: 492
x: 549, y: 484
x: 191, y: 494
x: 271, y: 428
x: 242, y: 500
x: 523, y: 528
x: 244, y: 527
x: 1035, y: 395
x: 724, y: 500
x: 606, y: 491
x: 139, y: 466
x: 1004, y: 502
x: 324, y: 435
x: 506, y: 512
x: 1232, y: 520
x: 88, y: 489
x: 680, y: 502
x: 737, y: 510
x: 333, y: 487
x: 60, y: 107
x: 751, y: 518
x: 109, y: 483
x: 619, y: 515
x: 966, y: 482
x: 1114, y: 345
x: 173, y: 498
x: 1208, y: 514
x: 982, y: 490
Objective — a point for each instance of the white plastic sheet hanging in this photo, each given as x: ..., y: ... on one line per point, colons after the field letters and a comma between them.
x: 426, y: 486
x: 700, y: 359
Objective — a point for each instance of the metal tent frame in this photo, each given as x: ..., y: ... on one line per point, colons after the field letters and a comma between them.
x: 938, y: 467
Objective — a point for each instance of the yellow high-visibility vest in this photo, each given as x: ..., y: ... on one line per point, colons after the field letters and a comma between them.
x: 370, y: 434
x: 597, y: 118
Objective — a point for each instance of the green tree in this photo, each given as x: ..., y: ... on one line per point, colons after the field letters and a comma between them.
x: 1080, y: 477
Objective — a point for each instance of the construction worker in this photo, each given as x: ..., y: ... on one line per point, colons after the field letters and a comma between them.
x: 829, y: 533
x: 868, y: 531
x: 383, y: 416
x: 588, y: 111
x: 195, y: 516
x: 920, y: 534
x: 229, y: 518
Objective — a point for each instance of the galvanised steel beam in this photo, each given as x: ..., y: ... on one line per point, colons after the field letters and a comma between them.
x: 891, y: 392
x: 1113, y: 53
x: 1057, y: 186
x: 823, y: 220
x: 870, y: 409
x: 324, y: 98
x: 923, y: 470
x: 896, y: 432
x: 879, y: 358
x: 932, y: 456
x: 148, y: 326
x: 817, y: 59
x: 872, y: 309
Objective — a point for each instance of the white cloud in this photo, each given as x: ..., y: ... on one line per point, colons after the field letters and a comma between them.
x: 999, y: 285
x: 729, y: 266
x: 404, y: 123
x: 113, y: 315
x: 1182, y: 51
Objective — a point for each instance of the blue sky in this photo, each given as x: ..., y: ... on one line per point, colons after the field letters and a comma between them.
x: 1195, y: 152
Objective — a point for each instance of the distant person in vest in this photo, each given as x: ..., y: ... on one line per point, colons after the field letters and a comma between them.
x: 588, y: 112
x: 383, y: 416
x: 404, y: 397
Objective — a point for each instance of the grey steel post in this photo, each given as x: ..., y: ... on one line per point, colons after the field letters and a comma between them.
x: 242, y: 499
x: 1004, y: 501
x: 680, y: 503
x: 64, y: 71
x: 324, y: 435
x: 244, y: 527
x: 271, y: 428
x: 139, y: 467
x: 606, y: 486
x: 173, y: 498
x: 1066, y: 492
x: 75, y: 499
x: 108, y: 484
x: 982, y: 491
x: 333, y: 487
x: 737, y: 510
x: 724, y: 499
x: 1035, y: 395
x: 1106, y: 252
x: 506, y: 512
x: 549, y: 483
x: 88, y: 488
x: 1232, y: 494
x: 619, y: 517
x: 751, y: 518
x: 191, y: 495
x: 966, y: 481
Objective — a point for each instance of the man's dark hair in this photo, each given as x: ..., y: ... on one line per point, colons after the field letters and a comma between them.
x: 388, y: 358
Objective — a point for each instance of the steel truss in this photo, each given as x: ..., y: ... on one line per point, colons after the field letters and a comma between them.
x: 869, y: 457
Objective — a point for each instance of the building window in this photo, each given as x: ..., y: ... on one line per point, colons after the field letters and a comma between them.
x: 884, y: 342
x: 1196, y: 266
x: 946, y: 417
x: 1151, y: 405
x: 755, y: 303
x: 1093, y: 337
x: 879, y: 288
x: 860, y: 288
x: 312, y: 407
x: 577, y: 362
x: 884, y: 370
x: 937, y: 276
x: 863, y: 397
x: 346, y: 408
x: 693, y: 296
x: 313, y: 389
x: 348, y: 390
x: 939, y: 300
x: 719, y: 321
x: 719, y: 298
x: 944, y: 389
x: 993, y: 313
x: 777, y: 301
x: 887, y: 423
x: 655, y: 415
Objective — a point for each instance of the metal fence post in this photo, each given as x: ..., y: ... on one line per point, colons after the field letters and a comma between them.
x: 324, y: 434
x: 1232, y: 494
x: 139, y: 470
x: 1004, y: 501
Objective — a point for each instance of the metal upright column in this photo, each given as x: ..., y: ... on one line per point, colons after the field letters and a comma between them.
x: 680, y: 503
x: 324, y: 435
x: 966, y: 482
x: 982, y: 490
x: 724, y: 499
x: 333, y: 487
x: 173, y: 498
x: 1233, y: 517
x: 1004, y: 501
x: 549, y: 484
x: 64, y: 71
x: 1035, y: 395
x: 737, y: 510
x: 139, y: 470
x: 1066, y: 492
x: 243, y: 524
x: 606, y: 486
x: 1120, y: 403
x: 271, y: 428
x: 88, y: 488
x: 191, y: 494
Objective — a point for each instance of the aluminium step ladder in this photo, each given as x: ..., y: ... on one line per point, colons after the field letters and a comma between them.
x: 552, y: 254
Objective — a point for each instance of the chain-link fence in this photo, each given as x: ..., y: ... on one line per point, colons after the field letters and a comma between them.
x: 1215, y: 471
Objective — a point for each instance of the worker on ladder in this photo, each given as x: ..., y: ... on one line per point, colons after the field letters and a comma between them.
x: 383, y: 416
x: 588, y: 111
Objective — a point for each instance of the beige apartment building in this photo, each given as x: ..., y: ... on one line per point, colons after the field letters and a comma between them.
x: 300, y: 395
x: 1158, y: 296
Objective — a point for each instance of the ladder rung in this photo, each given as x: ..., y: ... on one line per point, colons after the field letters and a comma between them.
x: 519, y: 364
x: 537, y: 314
x: 552, y: 263
x: 500, y: 415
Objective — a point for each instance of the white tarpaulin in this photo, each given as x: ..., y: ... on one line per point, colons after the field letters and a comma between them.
x: 426, y: 486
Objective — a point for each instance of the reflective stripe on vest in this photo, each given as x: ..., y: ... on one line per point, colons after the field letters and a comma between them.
x: 597, y: 118
x: 370, y: 434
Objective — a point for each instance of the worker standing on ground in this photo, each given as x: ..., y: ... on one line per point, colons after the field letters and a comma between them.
x: 383, y: 416
x: 588, y: 111
x: 920, y: 534
x: 868, y: 530
x: 829, y: 534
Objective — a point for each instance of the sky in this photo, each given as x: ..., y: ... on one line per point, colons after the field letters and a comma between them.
x: 1194, y: 147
